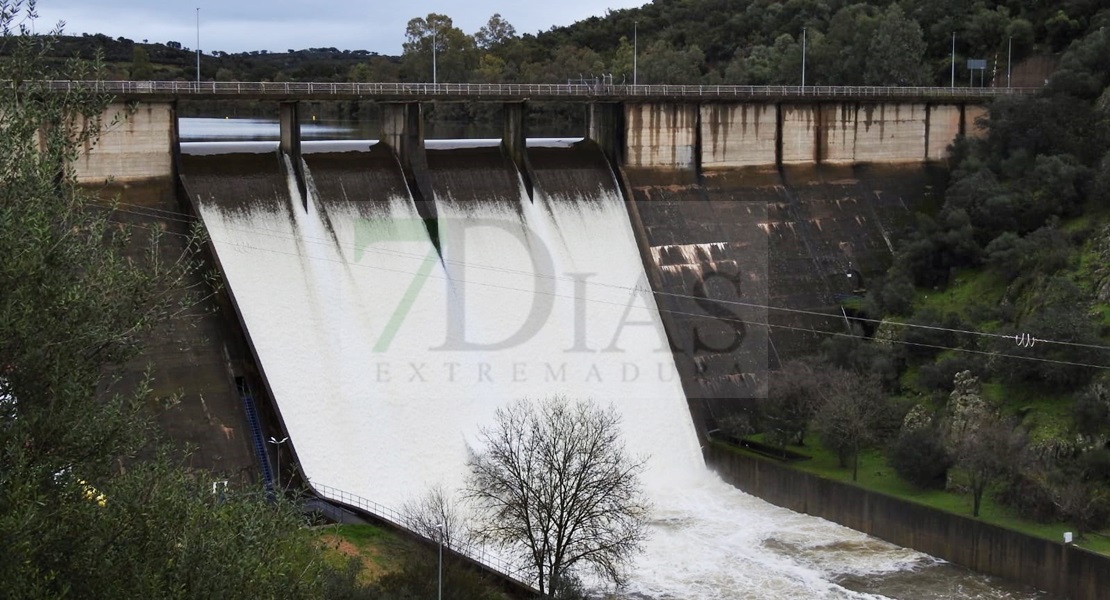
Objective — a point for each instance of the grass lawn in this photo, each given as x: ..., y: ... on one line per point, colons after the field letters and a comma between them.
x: 875, y: 475
x: 969, y: 287
x: 376, y: 548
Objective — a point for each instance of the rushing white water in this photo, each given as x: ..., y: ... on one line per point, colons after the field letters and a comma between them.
x: 385, y: 361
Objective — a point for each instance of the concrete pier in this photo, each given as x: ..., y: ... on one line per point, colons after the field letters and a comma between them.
x: 403, y: 131
x: 514, y: 141
x: 289, y: 120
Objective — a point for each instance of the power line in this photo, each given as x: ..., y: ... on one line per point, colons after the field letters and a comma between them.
x: 1024, y: 340
x: 657, y: 308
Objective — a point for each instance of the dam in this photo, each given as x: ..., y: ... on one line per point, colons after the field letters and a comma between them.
x: 393, y: 293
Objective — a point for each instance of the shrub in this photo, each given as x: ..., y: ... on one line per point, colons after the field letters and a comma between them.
x: 919, y: 457
x: 1029, y: 497
x: 937, y: 378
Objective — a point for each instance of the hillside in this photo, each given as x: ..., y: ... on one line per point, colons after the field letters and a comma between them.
x: 876, y: 42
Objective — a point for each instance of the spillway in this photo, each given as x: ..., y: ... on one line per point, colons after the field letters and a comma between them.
x: 385, y: 357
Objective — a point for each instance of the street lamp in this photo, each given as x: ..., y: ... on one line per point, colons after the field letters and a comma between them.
x: 1009, y: 59
x: 953, y: 59
x: 434, y: 33
x: 276, y: 442
x: 198, y: 47
x: 803, y: 60
x: 439, y: 528
x: 635, y: 49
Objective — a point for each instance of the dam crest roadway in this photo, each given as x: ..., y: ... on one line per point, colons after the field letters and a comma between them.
x: 510, y: 92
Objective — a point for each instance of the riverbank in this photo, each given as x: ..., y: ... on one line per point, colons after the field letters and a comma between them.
x: 1059, y: 569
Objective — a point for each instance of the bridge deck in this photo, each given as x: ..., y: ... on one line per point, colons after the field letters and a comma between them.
x: 518, y: 92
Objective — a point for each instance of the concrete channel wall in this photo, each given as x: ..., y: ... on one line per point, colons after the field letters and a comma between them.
x: 1062, y: 570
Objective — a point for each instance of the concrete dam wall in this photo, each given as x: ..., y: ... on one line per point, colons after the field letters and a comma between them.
x: 393, y: 295
x: 713, y: 136
x: 385, y: 354
x: 748, y: 262
x: 735, y: 208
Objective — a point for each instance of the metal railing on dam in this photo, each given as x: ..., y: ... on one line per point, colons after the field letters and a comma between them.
x: 477, y: 554
x: 516, y: 92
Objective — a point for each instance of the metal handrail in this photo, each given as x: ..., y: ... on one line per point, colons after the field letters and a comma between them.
x: 520, y: 90
x: 394, y: 517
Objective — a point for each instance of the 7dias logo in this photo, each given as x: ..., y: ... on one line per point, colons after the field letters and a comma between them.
x: 504, y: 286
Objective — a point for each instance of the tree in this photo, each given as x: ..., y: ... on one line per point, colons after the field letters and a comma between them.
x: 896, y: 52
x: 662, y: 63
x: 852, y: 416
x: 793, y: 397
x: 555, y: 487
x: 436, y: 517
x: 496, y: 32
x: 141, y: 69
x: 81, y: 292
x: 840, y: 58
x: 771, y: 64
x: 918, y: 454
x: 984, y: 444
x: 455, y: 53
x: 568, y: 62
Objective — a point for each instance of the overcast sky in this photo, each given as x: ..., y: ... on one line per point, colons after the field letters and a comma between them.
x: 278, y: 25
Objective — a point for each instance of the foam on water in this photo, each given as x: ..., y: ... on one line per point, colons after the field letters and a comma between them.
x: 386, y: 359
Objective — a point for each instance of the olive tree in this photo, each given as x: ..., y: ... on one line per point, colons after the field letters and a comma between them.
x: 555, y: 487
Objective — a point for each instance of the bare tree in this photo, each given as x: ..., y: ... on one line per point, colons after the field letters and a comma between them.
x: 1081, y: 501
x: 794, y: 395
x: 437, y: 517
x: 985, y: 444
x: 556, y: 488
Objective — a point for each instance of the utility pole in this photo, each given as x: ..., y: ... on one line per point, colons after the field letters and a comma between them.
x: 198, y: 47
x: 635, y: 49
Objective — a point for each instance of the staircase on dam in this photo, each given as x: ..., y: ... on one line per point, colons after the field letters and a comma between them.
x: 258, y: 440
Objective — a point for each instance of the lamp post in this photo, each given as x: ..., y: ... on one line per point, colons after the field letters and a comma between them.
x: 439, y: 528
x: 198, y: 47
x: 435, y: 32
x: 803, y: 60
x: 953, y: 59
x: 1009, y: 59
x: 277, y: 443
x: 635, y: 50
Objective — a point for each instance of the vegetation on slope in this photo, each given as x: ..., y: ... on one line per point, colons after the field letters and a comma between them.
x: 990, y: 334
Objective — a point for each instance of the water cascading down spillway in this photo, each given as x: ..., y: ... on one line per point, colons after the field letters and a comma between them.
x: 386, y: 357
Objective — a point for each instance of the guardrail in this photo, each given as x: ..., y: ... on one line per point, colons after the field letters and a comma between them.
x: 478, y: 91
x: 385, y: 513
